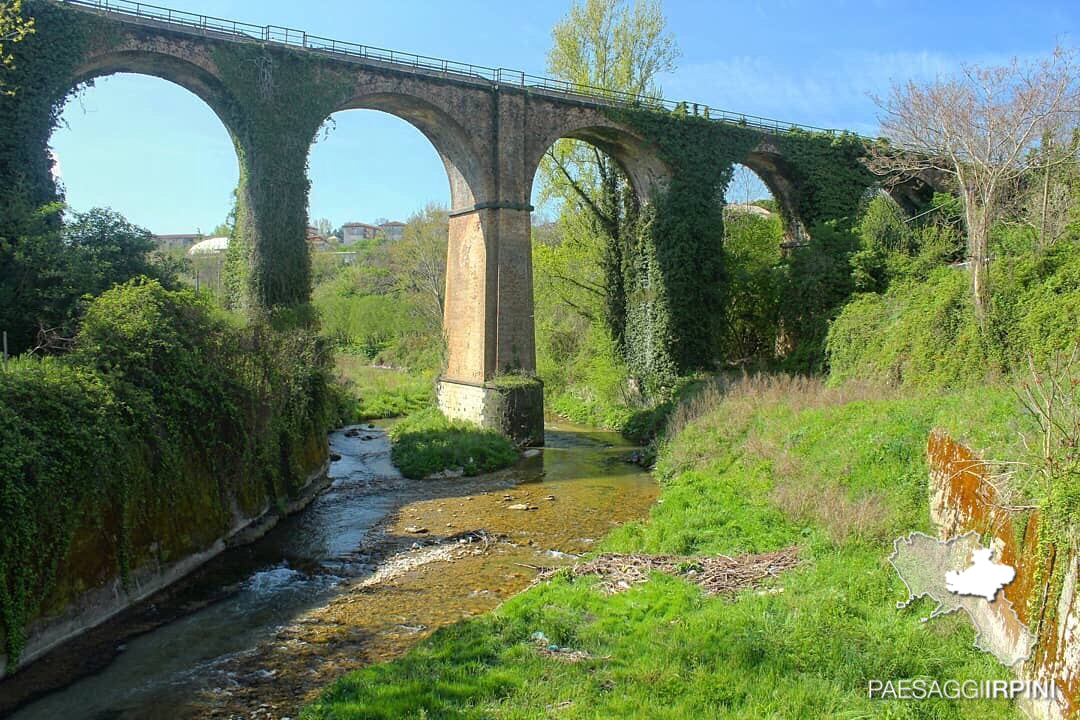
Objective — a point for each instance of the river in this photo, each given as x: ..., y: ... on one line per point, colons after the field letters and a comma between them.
x: 372, y: 566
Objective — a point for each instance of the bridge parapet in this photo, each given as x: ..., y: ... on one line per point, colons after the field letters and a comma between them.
x: 233, y: 30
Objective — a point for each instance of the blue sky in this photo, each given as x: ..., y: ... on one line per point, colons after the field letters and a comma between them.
x: 156, y: 153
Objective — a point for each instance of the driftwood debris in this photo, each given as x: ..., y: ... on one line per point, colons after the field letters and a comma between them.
x: 717, y: 575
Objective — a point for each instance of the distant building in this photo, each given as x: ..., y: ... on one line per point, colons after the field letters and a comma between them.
x: 393, y: 230
x: 176, y: 242
x: 747, y: 209
x: 355, y: 232
x: 316, y: 242
x: 209, y: 246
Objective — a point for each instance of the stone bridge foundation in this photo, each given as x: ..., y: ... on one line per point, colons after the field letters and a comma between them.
x: 488, y: 323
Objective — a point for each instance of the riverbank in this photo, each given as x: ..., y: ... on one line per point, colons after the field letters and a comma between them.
x: 838, y: 472
x: 372, y: 567
x: 168, y: 429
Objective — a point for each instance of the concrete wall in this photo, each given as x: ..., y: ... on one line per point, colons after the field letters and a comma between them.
x: 89, y: 590
x: 515, y: 410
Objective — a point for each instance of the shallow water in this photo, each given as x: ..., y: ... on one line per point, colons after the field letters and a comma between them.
x: 372, y: 566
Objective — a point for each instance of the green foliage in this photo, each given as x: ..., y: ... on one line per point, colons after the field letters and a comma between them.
x: 755, y: 277
x: 585, y: 376
x: 426, y: 442
x: 377, y: 392
x: 165, y: 420
x: 819, y: 282
x: 387, y: 304
x: 364, y: 324
x: 665, y: 650
x: 13, y: 28
x: 50, y: 271
x: 924, y: 332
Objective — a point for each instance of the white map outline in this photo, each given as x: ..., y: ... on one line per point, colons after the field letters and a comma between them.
x: 941, y: 608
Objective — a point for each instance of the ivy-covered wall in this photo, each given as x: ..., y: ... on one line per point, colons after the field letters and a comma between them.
x: 166, y: 429
x: 285, y: 97
x: 675, y: 273
x: 44, y: 66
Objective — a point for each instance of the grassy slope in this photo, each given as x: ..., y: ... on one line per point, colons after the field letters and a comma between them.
x: 732, y: 483
x: 382, y: 392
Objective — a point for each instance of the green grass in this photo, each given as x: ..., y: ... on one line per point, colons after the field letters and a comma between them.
x: 732, y: 480
x: 382, y: 392
x: 426, y: 442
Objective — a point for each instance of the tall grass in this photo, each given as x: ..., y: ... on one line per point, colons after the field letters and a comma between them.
x: 376, y: 392
x: 752, y: 464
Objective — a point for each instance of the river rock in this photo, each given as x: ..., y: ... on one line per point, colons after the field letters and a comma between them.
x: 521, y: 506
x: 531, y: 452
x: 416, y: 530
x: 446, y: 474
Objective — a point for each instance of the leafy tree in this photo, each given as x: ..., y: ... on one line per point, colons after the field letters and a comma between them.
x: 42, y: 287
x: 614, y: 46
x: 986, y: 129
x: 13, y: 28
x: 882, y: 232
x: 418, y: 260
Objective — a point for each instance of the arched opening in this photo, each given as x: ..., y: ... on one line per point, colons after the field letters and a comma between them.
x: 379, y: 211
x: 772, y: 171
x: 591, y: 190
x: 754, y: 250
x: 147, y: 169
x: 156, y: 154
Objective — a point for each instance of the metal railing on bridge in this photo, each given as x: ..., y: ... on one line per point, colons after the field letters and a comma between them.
x: 209, y: 26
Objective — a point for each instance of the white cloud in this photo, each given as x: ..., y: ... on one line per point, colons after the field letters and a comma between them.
x: 827, y: 90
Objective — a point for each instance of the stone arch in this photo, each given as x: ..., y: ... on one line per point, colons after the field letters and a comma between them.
x: 192, y: 77
x: 769, y: 165
x: 635, y: 156
x: 913, y: 194
x: 470, y: 181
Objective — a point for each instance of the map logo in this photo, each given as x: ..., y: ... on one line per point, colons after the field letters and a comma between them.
x: 940, y: 570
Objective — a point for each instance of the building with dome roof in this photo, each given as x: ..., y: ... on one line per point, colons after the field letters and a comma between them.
x: 209, y: 246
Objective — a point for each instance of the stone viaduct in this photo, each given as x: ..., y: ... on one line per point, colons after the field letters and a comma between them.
x: 273, y: 88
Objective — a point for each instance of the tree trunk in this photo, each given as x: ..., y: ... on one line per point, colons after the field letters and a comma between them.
x: 977, y: 215
x: 1045, y: 202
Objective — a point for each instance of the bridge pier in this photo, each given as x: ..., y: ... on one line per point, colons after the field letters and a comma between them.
x: 271, y: 222
x: 488, y: 324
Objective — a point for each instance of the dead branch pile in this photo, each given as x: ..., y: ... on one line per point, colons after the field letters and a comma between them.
x: 718, y: 575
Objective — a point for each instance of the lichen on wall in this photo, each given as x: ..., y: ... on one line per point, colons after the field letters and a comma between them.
x: 963, y: 498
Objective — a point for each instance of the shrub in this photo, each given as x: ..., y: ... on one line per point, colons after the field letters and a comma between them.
x: 427, y: 442
x: 925, y: 333
x: 165, y: 423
